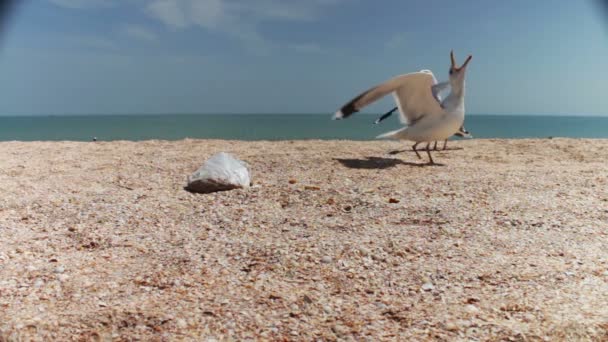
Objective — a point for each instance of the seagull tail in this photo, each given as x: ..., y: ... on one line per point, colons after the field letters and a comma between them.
x: 398, y: 134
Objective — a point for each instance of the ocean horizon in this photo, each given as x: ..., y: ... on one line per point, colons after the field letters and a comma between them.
x: 136, y: 127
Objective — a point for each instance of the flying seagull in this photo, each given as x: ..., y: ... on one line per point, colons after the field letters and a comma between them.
x: 462, y: 132
x: 428, y: 117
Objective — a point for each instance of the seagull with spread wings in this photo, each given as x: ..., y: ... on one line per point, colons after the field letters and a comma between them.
x: 428, y: 117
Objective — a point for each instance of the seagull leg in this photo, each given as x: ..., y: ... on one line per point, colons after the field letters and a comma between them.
x: 435, y: 147
x: 428, y: 151
x: 445, y: 144
x: 415, y: 150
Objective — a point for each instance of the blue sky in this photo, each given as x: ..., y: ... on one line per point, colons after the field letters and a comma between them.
x: 296, y: 56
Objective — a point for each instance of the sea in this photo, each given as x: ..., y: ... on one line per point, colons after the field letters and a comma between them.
x: 276, y: 127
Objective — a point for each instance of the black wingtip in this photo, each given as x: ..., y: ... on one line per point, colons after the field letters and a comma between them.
x: 386, y: 115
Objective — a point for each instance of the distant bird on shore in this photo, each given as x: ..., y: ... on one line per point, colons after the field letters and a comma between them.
x: 428, y: 117
x: 462, y: 132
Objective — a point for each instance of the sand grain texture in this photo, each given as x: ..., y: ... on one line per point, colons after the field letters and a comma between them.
x: 336, y: 240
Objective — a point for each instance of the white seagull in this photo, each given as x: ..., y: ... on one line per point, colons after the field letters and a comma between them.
x: 462, y: 132
x: 428, y: 117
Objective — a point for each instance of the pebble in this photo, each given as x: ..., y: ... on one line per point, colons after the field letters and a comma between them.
x: 181, y: 323
x: 363, y: 251
x: 339, y: 330
x: 38, y: 283
x: 472, y: 331
x: 472, y: 309
x: 62, y: 277
x: 528, y: 317
x: 428, y: 287
x: 381, y: 306
x: 464, y: 323
x: 326, y: 259
x: 59, y: 269
x: 451, y: 326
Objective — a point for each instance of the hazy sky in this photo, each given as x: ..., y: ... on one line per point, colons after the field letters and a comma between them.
x: 296, y: 56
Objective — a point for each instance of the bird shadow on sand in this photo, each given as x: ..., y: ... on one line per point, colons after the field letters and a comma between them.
x: 422, y: 150
x: 378, y: 163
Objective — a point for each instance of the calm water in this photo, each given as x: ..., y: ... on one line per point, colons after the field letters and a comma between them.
x: 277, y: 127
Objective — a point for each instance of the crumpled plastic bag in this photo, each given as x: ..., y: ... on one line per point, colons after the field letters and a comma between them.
x: 221, y: 172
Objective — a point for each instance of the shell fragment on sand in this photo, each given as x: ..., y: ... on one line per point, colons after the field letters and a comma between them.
x: 220, y: 173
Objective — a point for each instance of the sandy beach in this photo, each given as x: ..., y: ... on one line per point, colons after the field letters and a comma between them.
x: 336, y: 240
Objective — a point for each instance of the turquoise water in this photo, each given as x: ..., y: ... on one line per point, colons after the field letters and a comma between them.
x: 277, y: 127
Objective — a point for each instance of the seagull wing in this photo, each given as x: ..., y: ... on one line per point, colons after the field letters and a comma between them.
x: 413, y: 93
x: 418, y: 96
x: 438, y: 88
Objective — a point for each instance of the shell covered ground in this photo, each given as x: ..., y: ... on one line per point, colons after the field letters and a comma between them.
x: 335, y: 240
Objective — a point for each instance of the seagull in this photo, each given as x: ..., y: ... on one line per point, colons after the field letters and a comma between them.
x: 428, y: 117
x: 462, y: 132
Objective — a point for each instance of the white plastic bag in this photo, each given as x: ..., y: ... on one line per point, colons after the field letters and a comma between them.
x: 221, y: 172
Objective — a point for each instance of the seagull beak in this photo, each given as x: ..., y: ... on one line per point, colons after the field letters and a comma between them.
x: 453, y: 59
x: 466, y: 62
x: 454, y: 67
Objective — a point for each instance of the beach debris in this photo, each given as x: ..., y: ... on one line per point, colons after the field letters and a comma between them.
x: 428, y: 287
x: 393, y: 200
x: 292, y: 181
x: 38, y: 283
x: 451, y: 326
x: 220, y: 173
x: 307, y: 299
x: 181, y: 323
x: 326, y: 259
x: 471, y: 309
x: 472, y: 300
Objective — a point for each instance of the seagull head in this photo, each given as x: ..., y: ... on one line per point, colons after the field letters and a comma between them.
x: 457, y: 73
x: 462, y: 132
